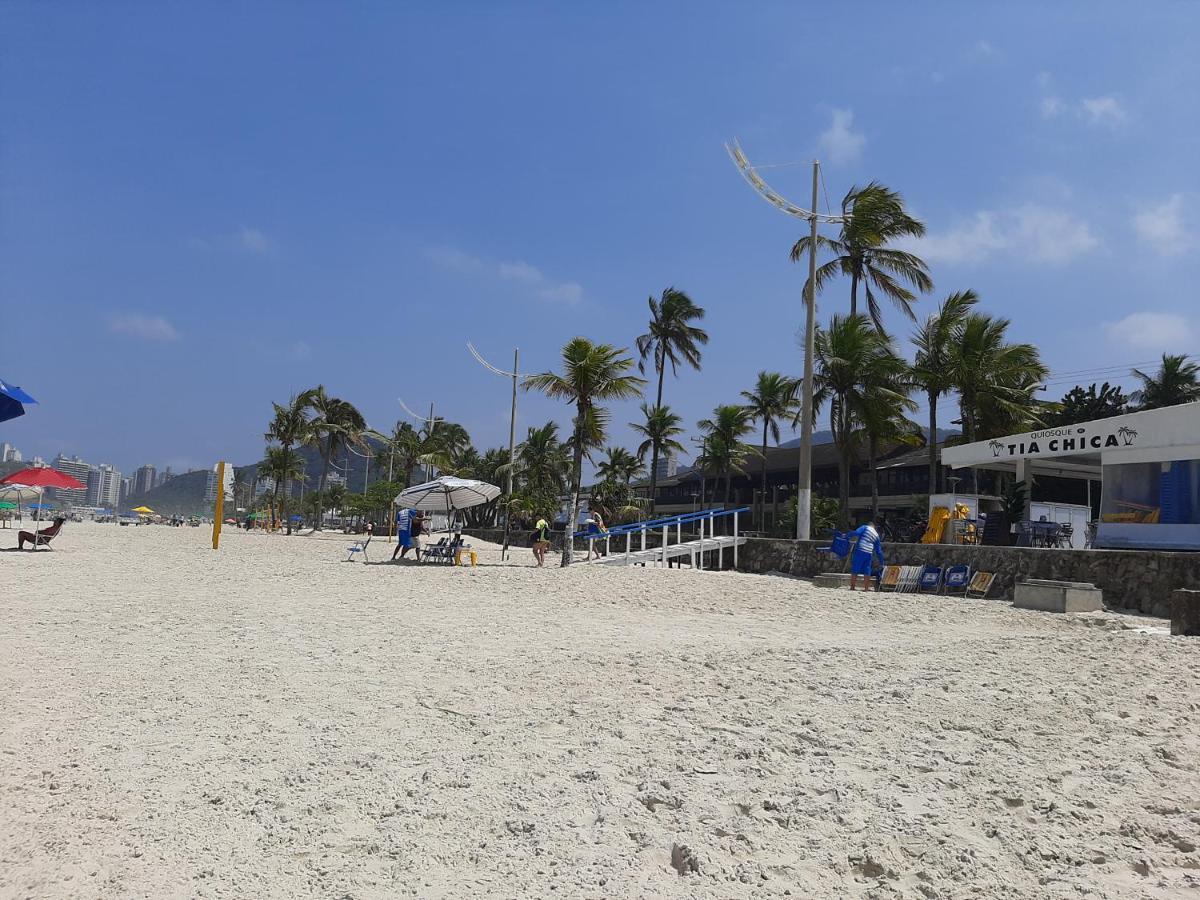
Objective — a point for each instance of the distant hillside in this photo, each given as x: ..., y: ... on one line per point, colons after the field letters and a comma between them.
x: 183, y: 495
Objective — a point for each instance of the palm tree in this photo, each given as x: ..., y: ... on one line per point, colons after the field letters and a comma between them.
x: 660, y: 429
x: 1177, y: 381
x: 282, y: 464
x: 932, y: 369
x: 773, y: 398
x: 995, y: 380
x: 335, y: 424
x: 726, y: 451
x: 290, y: 426
x: 884, y: 401
x: 671, y: 338
x: 543, y: 463
x: 591, y: 373
x: 875, y: 217
x: 619, y: 466
x: 853, y: 364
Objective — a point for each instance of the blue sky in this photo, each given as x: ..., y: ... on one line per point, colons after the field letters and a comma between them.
x: 204, y: 208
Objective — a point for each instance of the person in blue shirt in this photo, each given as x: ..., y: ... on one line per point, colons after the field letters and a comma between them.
x: 868, y: 548
x: 403, y: 532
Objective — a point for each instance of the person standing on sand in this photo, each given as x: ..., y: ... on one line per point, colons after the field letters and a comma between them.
x: 868, y: 548
x: 541, y: 541
x: 403, y: 531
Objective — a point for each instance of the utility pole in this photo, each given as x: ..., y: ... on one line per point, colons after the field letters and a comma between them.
x: 813, y: 217
x: 804, y: 475
x: 512, y: 432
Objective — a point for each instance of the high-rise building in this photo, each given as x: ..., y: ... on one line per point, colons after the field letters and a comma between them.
x: 104, y: 487
x: 9, y: 453
x: 126, y: 488
x: 163, y: 477
x: 667, y: 467
x: 38, y: 462
x: 335, y: 478
x: 78, y: 469
x: 143, y: 479
x: 264, y: 486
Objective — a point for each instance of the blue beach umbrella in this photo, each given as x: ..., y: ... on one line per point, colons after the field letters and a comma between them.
x: 12, y: 400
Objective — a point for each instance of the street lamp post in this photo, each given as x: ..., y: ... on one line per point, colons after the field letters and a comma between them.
x: 804, y: 474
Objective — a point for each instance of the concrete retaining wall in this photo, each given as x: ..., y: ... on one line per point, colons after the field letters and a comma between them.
x: 1135, y: 580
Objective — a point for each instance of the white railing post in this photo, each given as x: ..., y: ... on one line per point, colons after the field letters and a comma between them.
x: 735, y: 537
x: 666, y: 540
x: 628, y: 544
x: 701, y: 520
x: 643, y: 538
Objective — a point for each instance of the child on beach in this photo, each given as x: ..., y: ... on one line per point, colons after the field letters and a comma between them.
x: 868, y: 548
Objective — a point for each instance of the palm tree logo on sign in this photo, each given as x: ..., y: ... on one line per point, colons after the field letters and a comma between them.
x: 996, y: 447
x: 1127, y: 435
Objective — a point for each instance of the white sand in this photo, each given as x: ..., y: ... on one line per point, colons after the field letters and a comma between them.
x: 267, y: 721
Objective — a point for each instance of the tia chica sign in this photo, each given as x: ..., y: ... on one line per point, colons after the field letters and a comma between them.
x: 1072, y: 439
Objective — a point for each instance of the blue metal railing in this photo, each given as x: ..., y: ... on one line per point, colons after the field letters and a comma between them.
x: 669, y: 521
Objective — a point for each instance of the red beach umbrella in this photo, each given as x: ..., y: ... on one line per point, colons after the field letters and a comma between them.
x: 43, y: 478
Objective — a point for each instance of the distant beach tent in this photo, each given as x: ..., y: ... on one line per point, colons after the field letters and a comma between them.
x: 447, y: 493
x: 143, y: 510
x: 42, y: 478
x: 12, y: 401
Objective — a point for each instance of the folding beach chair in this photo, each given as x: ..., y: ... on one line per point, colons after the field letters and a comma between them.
x: 956, y: 579
x: 930, y: 580
x: 358, y: 547
x: 890, y: 579
x: 908, y: 579
x: 980, y: 585
x: 443, y: 551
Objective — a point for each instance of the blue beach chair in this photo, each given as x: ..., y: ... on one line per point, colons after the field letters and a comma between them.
x: 930, y: 580
x: 956, y: 580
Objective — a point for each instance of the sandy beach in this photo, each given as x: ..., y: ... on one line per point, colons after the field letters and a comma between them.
x: 268, y: 721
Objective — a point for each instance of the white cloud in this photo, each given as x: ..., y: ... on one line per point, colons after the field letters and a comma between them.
x: 244, y: 240
x: 147, y: 328
x: 1153, y: 332
x: 1030, y: 232
x: 1163, y: 227
x: 1050, y: 107
x: 252, y: 240
x: 840, y: 143
x: 519, y: 272
x: 984, y: 50
x: 1104, y: 111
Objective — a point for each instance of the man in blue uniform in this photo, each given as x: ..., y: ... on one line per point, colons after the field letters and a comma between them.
x: 868, y: 548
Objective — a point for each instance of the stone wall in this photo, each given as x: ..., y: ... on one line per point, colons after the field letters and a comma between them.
x: 1134, y: 580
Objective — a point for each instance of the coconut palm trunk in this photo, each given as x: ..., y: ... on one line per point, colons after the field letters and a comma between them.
x: 762, y: 495
x: 934, y: 468
x: 576, y: 478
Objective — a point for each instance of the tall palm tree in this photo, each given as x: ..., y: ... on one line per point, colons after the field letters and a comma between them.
x: 335, y: 424
x: 592, y: 373
x: 290, y: 426
x: 932, y: 369
x: 660, y: 430
x: 543, y: 462
x: 1176, y: 381
x: 853, y: 362
x: 875, y: 217
x: 773, y: 398
x: 282, y: 464
x: 619, y: 466
x: 884, y: 402
x: 724, y: 432
x: 996, y: 380
x: 671, y: 337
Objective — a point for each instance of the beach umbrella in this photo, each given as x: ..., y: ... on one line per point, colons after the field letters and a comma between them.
x: 143, y: 510
x: 12, y: 400
x: 4, y: 504
x: 449, y: 493
x: 42, y: 478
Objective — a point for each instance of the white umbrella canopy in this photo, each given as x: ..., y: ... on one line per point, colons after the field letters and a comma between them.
x: 19, y: 493
x: 447, y: 493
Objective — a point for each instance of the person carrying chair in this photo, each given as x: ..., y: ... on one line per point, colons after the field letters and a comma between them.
x: 867, y: 549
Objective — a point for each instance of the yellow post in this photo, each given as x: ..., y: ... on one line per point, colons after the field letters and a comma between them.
x: 219, y: 510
